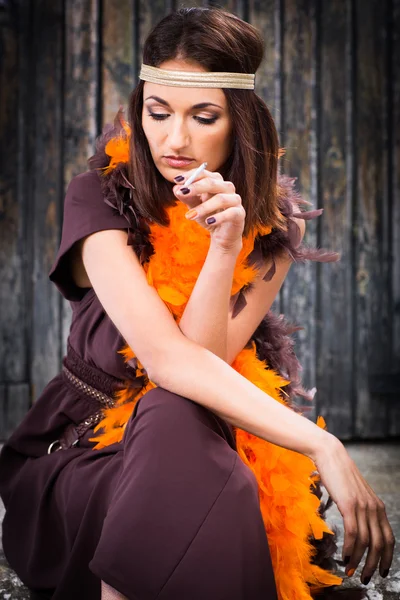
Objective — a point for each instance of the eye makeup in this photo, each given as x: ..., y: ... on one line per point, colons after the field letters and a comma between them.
x: 200, y: 120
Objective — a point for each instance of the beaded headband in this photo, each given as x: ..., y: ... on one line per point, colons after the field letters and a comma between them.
x: 209, y: 79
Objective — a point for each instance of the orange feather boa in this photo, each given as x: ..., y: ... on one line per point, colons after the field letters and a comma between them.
x: 289, y: 507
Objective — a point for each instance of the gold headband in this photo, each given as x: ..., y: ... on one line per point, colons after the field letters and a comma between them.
x: 213, y: 79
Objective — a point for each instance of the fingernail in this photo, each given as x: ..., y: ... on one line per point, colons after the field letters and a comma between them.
x: 366, y: 581
x: 346, y: 560
x: 184, y: 190
x: 179, y: 178
x: 385, y: 573
x: 191, y: 214
x: 350, y: 572
x: 211, y: 220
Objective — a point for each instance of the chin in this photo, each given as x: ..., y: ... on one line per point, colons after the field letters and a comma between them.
x: 168, y: 175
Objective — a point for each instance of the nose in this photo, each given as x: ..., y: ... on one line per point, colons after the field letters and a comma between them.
x: 178, y: 135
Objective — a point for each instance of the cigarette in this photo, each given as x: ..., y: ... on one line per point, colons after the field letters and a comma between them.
x: 197, y: 172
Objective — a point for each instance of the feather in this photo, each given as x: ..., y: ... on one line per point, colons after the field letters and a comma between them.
x: 300, y: 541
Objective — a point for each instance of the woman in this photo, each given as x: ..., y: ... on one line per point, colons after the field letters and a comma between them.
x: 165, y: 460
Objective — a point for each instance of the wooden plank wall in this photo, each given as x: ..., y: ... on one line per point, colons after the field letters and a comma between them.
x: 331, y: 78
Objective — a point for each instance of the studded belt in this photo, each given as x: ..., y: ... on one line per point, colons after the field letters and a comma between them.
x: 96, y: 385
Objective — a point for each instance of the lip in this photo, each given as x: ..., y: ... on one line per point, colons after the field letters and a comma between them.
x: 178, y: 162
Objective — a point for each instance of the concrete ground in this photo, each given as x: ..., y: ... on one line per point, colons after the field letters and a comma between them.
x: 380, y: 465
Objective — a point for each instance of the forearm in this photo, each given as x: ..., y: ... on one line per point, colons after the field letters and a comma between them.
x: 205, y: 318
x: 196, y: 373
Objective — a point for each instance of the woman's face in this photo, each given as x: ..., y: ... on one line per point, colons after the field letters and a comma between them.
x: 174, y: 126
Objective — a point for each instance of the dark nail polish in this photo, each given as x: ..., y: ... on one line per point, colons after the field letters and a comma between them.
x: 366, y: 580
x: 385, y: 573
x: 211, y: 220
x: 185, y: 190
x: 346, y: 560
x: 179, y: 178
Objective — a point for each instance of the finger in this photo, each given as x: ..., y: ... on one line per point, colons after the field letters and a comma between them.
x: 388, y: 541
x: 203, y: 174
x: 205, y: 196
x: 216, y: 203
x: 362, y: 539
x: 233, y: 214
x: 206, y: 184
x: 387, y: 533
x: 350, y: 529
x: 375, y: 547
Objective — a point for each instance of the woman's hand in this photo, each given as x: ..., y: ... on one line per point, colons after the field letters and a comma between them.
x: 364, y: 515
x: 211, y: 196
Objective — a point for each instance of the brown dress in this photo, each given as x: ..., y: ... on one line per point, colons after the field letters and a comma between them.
x: 171, y: 512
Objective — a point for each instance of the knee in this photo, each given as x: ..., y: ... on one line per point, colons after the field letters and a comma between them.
x: 165, y: 415
x: 165, y: 404
x: 161, y: 409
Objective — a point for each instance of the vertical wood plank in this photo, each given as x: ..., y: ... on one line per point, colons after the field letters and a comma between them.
x: 13, y: 244
x: 238, y: 7
x: 394, y: 183
x: 81, y: 96
x: 117, y: 57
x: 266, y: 17
x: 373, y: 331
x: 150, y: 13
x: 16, y: 404
x: 47, y: 24
x: 3, y: 411
x: 334, y: 326
x: 81, y: 84
x: 299, y: 291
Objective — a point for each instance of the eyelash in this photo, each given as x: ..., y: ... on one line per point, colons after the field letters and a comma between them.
x: 201, y: 120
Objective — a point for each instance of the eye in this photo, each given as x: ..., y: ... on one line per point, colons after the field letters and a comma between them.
x: 158, y: 116
x: 203, y: 121
x: 200, y: 120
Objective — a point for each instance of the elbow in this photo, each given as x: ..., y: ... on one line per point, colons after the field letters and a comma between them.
x: 155, y: 369
x: 165, y: 362
x: 166, y: 370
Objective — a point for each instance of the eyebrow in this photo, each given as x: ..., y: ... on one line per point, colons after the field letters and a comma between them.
x: 165, y: 103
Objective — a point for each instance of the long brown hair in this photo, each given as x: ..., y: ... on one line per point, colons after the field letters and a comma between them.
x: 219, y: 41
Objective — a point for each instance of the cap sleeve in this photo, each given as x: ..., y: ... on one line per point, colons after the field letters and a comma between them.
x: 85, y: 212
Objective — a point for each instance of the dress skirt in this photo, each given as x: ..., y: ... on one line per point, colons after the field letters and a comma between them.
x: 171, y: 512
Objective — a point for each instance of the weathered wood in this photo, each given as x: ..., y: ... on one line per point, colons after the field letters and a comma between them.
x: 150, y: 13
x: 372, y: 327
x: 3, y: 410
x: 82, y: 102
x: 231, y: 5
x: 266, y: 17
x: 47, y: 147
x: 331, y: 77
x: 14, y: 404
x: 13, y: 334
x: 17, y: 403
x: 334, y: 325
x: 238, y: 7
x: 299, y: 291
x: 394, y: 190
x: 117, y: 57
x: 81, y: 84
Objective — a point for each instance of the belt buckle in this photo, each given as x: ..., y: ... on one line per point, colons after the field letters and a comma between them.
x: 51, y: 447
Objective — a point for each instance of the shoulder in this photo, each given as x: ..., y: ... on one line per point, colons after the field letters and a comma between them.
x: 86, y: 196
x: 86, y: 182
